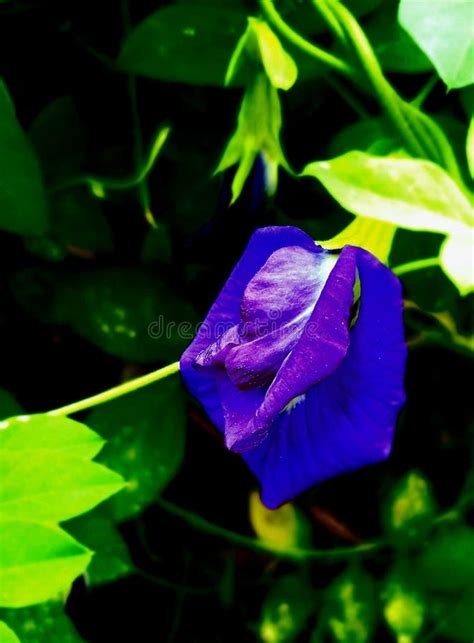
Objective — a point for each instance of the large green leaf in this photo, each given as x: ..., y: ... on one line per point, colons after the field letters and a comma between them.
x: 409, y: 193
x: 444, y: 31
x: 46, y: 475
x: 145, y: 434
x: 37, y: 561
x: 187, y: 43
x: 23, y: 208
x: 130, y: 314
x: 41, y: 623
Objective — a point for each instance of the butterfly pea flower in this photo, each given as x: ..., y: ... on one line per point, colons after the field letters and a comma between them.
x: 300, y: 361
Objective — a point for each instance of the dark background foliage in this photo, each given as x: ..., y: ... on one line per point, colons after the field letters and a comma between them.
x: 188, y: 585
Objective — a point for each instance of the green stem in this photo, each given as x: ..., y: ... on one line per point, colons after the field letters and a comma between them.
x: 294, y: 554
x: 322, y: 7
x: 414, y: 266
x: 296, y: 39
x: 125, y: 183
x: 117, y: 391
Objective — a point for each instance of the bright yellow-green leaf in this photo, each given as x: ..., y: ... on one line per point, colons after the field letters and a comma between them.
x: 408, y: 193
x: 7, y: 635
x: 261, y: 45
x: 444, y: 31
x: 375, y: 236
x: 45, y: 622
x: 282, y: 528
x: 45, y: 480
x: 37, y: 561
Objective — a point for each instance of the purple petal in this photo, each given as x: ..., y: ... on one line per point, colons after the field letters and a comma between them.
x: 318, y: 352
x: 225, y: 312
x: 347, y: 420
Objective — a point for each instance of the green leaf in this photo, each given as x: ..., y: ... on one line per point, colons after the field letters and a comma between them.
x: 42, y: 623
x: 111, y: 557
x: 260, y: 44
x: 129, y: 313
x: 58, y: 137
x: 409, y: 193
x: 364, y: 135
x: 77, y: 220
x: 7, y: 635
x: 8, y: 405
x: 184, y: 43
x: 46, y: 473
x: 145, y: 433
x: 395, y: 49
x: 454, y: 616
x: 286, y: 609
x: 350, y: 607
x: 443, y: 30
x: 37, y: 561
x: 409, y: 510
x: 23, y: 207
x: 470, y: 147
x: 404, y: 606
x: 447, y: 562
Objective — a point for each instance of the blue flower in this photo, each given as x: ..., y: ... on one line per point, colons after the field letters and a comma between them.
x: 300, y: 361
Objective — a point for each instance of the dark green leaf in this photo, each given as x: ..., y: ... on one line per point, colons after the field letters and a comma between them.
x: 145, y: 433
x: 23, y: 207
x: 111, y: 559
x: 447, y: 562
x: 130, y: 314
x: 286, y: 609
x: 58, y: 137
x: 454, y: 616
x: 187, y: 43
x: 8, y: 405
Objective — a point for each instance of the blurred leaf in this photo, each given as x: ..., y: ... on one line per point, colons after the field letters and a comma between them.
x: 443, y: 30
x: 412, y: 194
x: 45, y: 623
x: 282, y: 528
x: 260, y: 45
x: 454, y: 616
x: 286, y: 609
x: 7, y: 635
x: 37, y: 290
x: 470, y: 147
x: 45, y: 469
x: 59, y: 138
x: 146, y: 434
x: 395, y: 49
x: 45, y: 248
x: 23, y: 207
x: 362, y: 135
x: 447, y: 561
x: 157, y: 245
x: 77, y: 220
x: 111, y: 558
x: 184, y: 43
x: 37, y: 561
x: 8, y: 405
x: 409, y: 510
x: 129, y: 313
x: 404, y: 606
x: 350, y: 607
